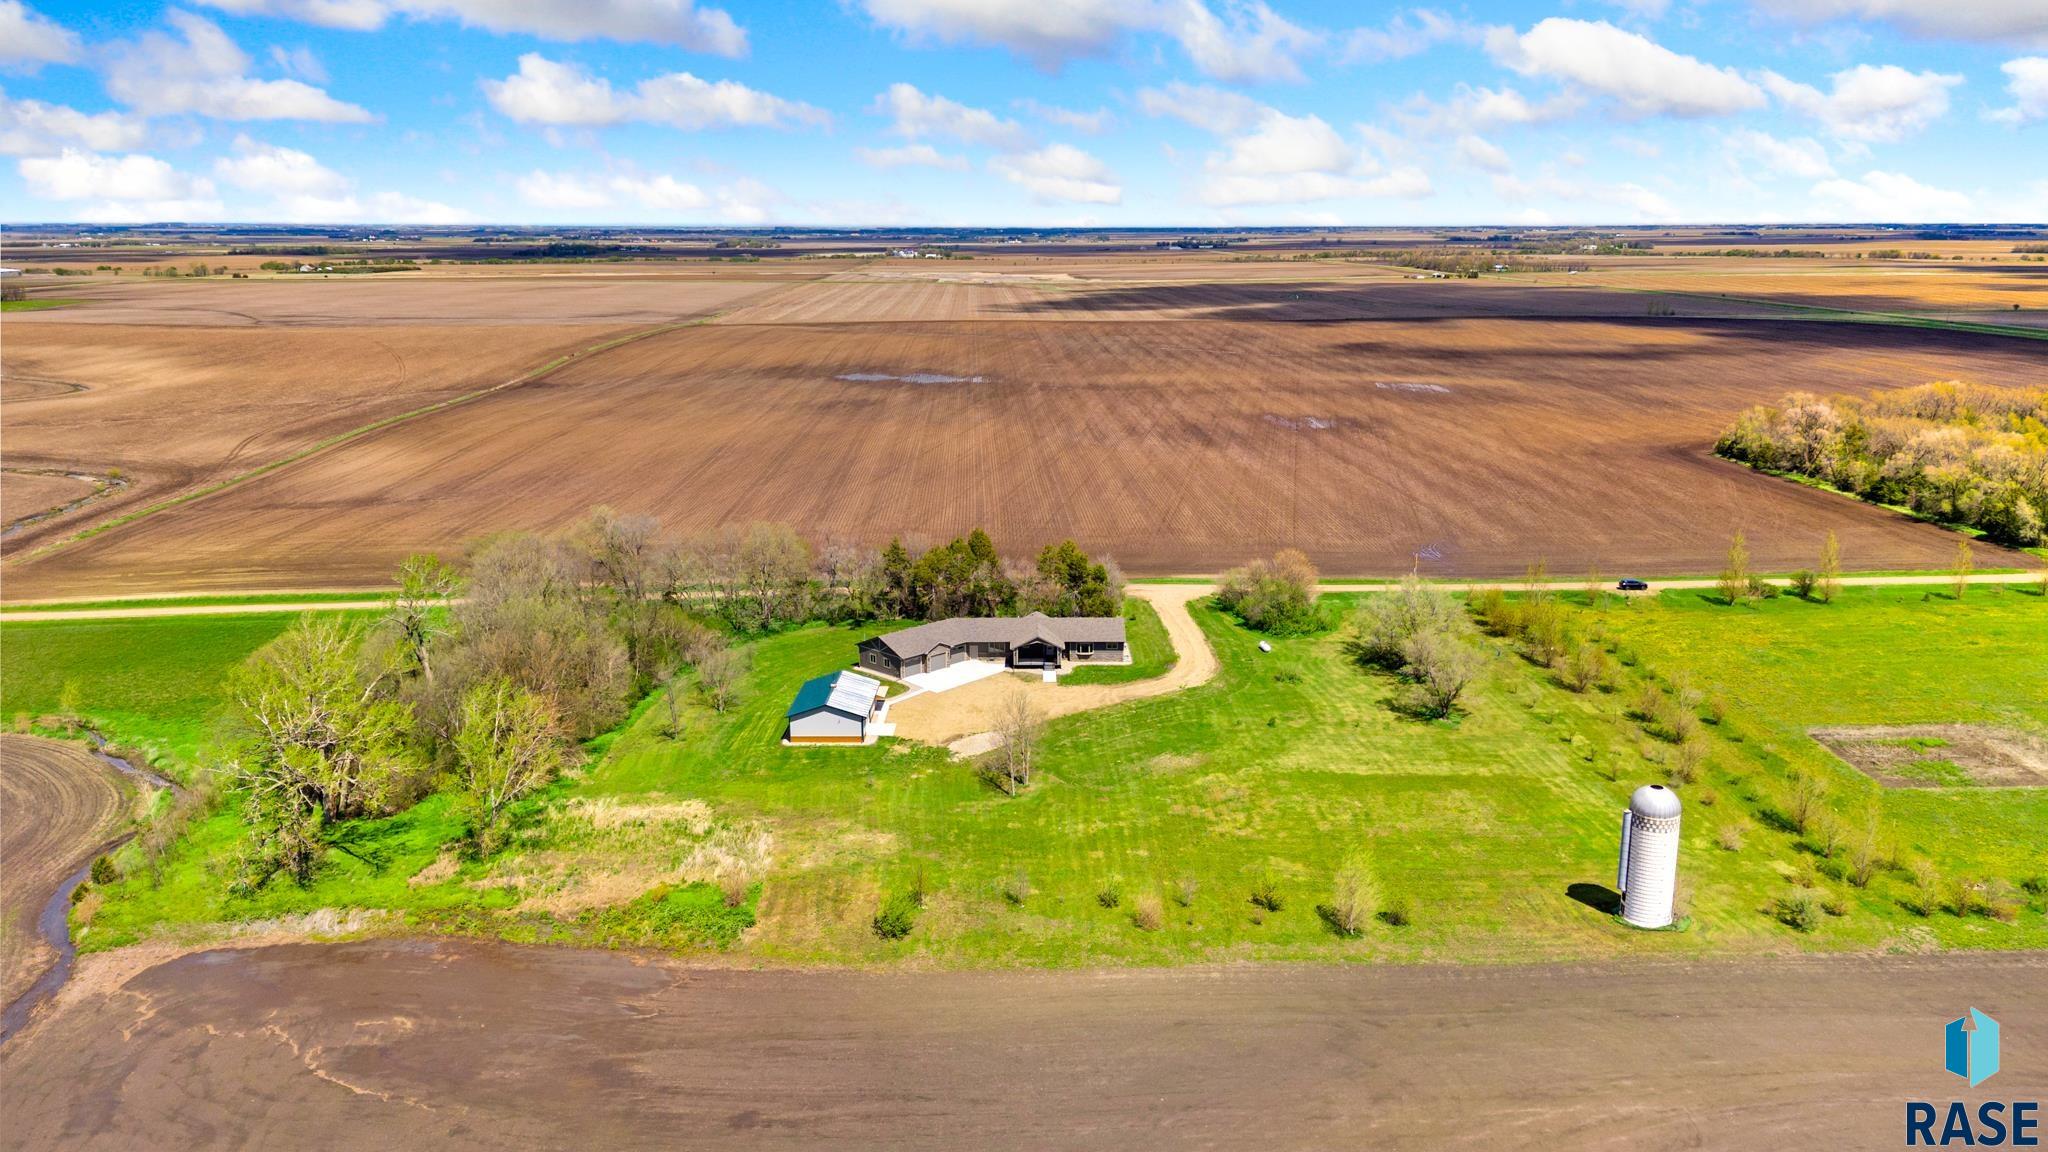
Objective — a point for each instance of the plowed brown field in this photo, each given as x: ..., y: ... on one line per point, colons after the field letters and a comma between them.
x: 1178, y: 445
x: 57, y: 806
x: 181, y: 384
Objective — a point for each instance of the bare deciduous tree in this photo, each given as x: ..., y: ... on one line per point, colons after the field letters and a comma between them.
x: 1734, y: 581
x: 507, y: 747
x: 309, y: 742
x: 1828, y: 584
x: 1019, y: 724
x: 1959, y: 579
x: 1442, y: 665
x: 719, y: 675
x: 424, y: 585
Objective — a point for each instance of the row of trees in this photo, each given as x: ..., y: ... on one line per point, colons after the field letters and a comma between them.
x: 483, y: 682
x: 1970, y: 454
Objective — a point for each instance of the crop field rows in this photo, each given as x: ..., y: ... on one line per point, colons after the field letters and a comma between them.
x: 176, y: 385
x: 1472, y: 446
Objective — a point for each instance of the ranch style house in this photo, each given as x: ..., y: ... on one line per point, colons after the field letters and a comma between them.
x: 1034, y: 641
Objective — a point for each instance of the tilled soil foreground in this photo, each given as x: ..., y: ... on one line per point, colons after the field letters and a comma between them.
x: 456, y: 1045
x: 57, y: 806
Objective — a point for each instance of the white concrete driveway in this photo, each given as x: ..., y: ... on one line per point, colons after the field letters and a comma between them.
x: 954, y: 675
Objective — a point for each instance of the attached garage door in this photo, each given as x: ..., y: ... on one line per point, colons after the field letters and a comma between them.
x: 936, y: 659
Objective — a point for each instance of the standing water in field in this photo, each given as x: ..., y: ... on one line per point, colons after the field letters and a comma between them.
x: 912, y: 378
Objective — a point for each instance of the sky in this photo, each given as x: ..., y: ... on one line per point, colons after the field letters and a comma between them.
x: 1042, y: 113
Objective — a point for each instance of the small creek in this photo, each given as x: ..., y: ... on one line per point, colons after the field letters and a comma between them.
x: 53, y: 923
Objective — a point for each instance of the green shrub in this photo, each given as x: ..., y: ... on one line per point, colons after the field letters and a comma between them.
x: 103, y: 871
x: 1016, y: 888
x: 1800, y: 910
x: 1266, y: 895
x: 1395, y: 914
x: 1184, y: 890
x: 1111, y: 895
x: 897, y: 916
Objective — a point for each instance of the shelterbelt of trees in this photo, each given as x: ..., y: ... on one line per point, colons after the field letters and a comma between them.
x: 483, y: 681
x: 1969, y: 454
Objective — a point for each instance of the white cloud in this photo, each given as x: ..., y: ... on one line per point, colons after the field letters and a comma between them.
x: 2022, y: 22
x: 1252, y: 43
x: 1291, y: 159
x: 76, y: 175
x: 299, y: 189
x: 680, y: 23
x: 1640, y: 203
x: 743, y: 201
x: 562, y: 190
x: 33, y: 128
x: 1483, y: 153
x: 547, y: 92
x: 1642, y: 77
x: 299, y: 62
x: 203, y: 72
x: 277, y: 171
x: 1207, y: 108
x: 1873, y: 103
x: 1803, y: 158
x: 1891, y: 197
x: 909, y: 156
x: 1302, y: 187
x: 2027, y: 81
x: 1406, y: 34
x: 29, y: 39
x: 1060, y: 174
x: 1089, y: 122
x: 398, y: 208
x: 1249, y: 41
x: 918, y: 114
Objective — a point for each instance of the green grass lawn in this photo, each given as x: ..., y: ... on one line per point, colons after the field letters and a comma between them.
x: 1151, y: 651
x: 1497, y: 829
x: 38, y: 304
x: 149, y: 683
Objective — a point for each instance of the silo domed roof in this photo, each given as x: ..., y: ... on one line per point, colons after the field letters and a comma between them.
x: 1654, y: 801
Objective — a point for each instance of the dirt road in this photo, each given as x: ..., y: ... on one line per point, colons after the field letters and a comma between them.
x: 962, y: 717
x: 459, y: 1045
x: 19, y: 612
x: 58, y: 804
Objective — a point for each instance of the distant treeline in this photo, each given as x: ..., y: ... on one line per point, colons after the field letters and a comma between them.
x: 1761, y: 253
x: 1969, y: 454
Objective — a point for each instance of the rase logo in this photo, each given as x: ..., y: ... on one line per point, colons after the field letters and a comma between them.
x: 1971, y: 1052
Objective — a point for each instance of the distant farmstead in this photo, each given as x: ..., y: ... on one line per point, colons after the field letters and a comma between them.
x: 842, y: 708
x: 1034, y: 641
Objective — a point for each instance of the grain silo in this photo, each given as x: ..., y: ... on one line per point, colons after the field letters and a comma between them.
x: 1648, y: 876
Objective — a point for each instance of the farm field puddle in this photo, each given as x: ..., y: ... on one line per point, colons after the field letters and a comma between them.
x: 1301, y: 423
x: 1404, y: 386
x: 910, y: 378
x: 1941, y: 755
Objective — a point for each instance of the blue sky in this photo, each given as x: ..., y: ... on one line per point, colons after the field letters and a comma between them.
x: 1026, y: 112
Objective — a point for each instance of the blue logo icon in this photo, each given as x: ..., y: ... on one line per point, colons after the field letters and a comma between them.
x: 1973, y: 1047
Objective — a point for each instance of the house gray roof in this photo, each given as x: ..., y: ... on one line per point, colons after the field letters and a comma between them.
x: 1011, y: 630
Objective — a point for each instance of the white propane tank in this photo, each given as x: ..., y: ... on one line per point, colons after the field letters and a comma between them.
x: 1648, y: 876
